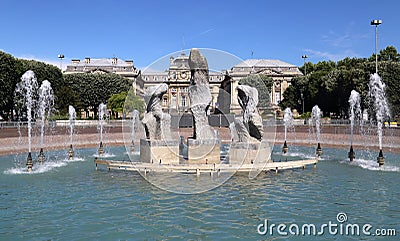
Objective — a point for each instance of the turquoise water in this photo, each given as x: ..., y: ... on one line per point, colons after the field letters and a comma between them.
x: 69, y: 200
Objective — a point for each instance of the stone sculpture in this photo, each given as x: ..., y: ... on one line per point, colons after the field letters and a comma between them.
x: 199, y: 95
x: 249, y: 127
x: 157, y: 123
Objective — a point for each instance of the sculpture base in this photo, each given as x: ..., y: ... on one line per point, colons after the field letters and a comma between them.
x: 203, y: 151
x: 159, y: 151
x: 249, y: 153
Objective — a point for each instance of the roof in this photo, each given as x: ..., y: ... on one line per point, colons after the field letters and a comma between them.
x: 181, y: 62
x: 102, y: 62
x: 263, y: 63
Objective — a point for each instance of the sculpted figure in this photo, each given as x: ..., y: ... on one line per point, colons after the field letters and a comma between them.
x: 200, y: 95
x: 157, y: 123
x: 249, y: 126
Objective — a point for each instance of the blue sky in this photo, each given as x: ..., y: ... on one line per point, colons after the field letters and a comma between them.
x: 147, y: 30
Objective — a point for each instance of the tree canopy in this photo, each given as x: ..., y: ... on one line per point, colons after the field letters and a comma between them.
x: 329, y: 84
x: 125, y: 102
x: 263, y: 84
x: 11, y: 70
x: 93, y: 89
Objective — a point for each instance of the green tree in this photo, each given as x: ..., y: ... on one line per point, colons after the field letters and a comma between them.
x: 65, y: 97
x: 42, y: 72
x: 94, y: 89
x: 389, y: 54
x: 8, y: 81
x: 263, y: 84
x: 390, y: 74
x: 125, y: 102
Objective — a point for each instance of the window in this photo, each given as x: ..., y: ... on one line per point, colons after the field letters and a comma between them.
x: 165, y: 101
x: 183, y: 101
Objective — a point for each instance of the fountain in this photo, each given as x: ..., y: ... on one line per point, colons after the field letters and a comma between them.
x: 355, y: 112
x: 72, y: 118
x: 135, y: 118
x: 25, y: 91
x: 46, y: 102
x: 288, y: 122
x: 103, y: 113
x: 377, y: 92
x: 316, y: 119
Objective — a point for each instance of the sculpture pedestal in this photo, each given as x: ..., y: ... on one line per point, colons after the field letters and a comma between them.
x: 159, y: 151
x: 203, y: 151
x: 249, y: 153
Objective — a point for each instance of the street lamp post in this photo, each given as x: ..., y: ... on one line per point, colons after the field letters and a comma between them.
x: 305, y: 73
x: 376, y: 23
x: 305, y: 67
x: 61, y: 56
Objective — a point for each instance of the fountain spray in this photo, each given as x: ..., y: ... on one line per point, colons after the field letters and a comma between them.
x: 377, y: 92
x: 316, y: 119
x: 46, y: 102
x: 25, y: 91
x: 355, y: 112
x: 135, y: 118
x: 288, y: 122
x: 102, y: 114
x: 72, y: 118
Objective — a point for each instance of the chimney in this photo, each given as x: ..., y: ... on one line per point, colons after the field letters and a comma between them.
x: 87, y: 60
x: 130, y: 62
x: 114, y: 60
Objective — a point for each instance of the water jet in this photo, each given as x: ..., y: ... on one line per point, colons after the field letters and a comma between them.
x: 288, y: 122
x: 355, y: 112
x: 316, y: 118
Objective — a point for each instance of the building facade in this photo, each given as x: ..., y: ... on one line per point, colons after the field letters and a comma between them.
x: 222, y: 84
x: 281, y: 73
x: 124, y: 68
x: 177, y: 77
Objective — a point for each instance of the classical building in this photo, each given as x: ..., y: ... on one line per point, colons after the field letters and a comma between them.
x: 281, y: 72
x: 177, y: 77
x: 124, y: 68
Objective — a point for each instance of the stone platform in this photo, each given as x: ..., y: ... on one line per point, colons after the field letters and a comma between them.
x: 159, y: 151
x: 203, y: 151
x: 201, y: 168
x: 249, y: 153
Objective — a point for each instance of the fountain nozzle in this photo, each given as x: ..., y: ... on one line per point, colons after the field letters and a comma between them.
x: 29, y: 162
x: 41, y: 156
x: 70, y: 153
x: 132, y: 147
x: 285, y: 148
x: 380, y: 158
x: 319, y: 150
x: 101, y: 149
x: 351, y: 153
